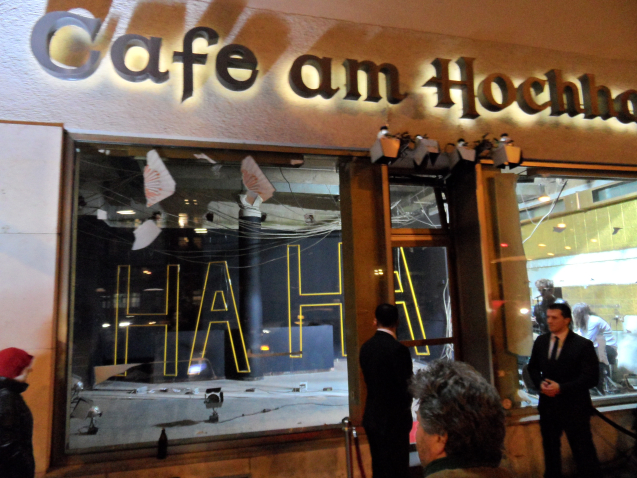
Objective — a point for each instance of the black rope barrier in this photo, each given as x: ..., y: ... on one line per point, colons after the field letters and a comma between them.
x: 613, y: 424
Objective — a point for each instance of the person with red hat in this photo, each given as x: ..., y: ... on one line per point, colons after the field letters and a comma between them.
x: 16, y: 421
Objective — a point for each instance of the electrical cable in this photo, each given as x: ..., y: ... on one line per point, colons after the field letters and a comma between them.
x: 548, y: 213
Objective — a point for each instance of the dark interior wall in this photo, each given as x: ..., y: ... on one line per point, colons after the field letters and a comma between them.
x: 101, y: 249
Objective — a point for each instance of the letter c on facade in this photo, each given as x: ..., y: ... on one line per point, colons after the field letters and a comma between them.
x: 44, y: 30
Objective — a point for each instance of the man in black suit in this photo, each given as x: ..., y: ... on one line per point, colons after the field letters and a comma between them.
x: 564, y: 367
x: 387, y: 369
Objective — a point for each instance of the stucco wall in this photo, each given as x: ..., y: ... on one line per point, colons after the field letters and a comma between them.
x: 30, y: 158
x: 270, y: 112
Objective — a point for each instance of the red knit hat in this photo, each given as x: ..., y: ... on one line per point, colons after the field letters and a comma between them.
x: 13, y: 361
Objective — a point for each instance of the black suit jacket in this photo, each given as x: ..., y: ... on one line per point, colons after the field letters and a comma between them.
x: 387, y: 368
x: 576, y: 370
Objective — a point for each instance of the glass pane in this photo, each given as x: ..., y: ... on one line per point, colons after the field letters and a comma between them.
x: 413, y: 207
x: 577, y: 236
x: 244, y: 303
x: 421, y: 284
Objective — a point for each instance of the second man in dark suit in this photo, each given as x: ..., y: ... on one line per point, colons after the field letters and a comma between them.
x: 564, y: 367
x: 387, y: 369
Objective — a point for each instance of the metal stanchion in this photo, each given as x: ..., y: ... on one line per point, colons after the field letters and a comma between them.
x: 348, y: 446
x: 359, y: 455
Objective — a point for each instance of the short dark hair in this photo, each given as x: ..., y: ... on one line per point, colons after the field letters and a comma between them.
x: 387, y: 315
x: 542, y: 284
x: 454, y: 399
x: 562, y: 307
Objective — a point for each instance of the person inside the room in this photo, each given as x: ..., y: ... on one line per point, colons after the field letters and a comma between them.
x: 461, y: 424
x: 598, y: 331
x: 546, y: 288
x: 16, y: 421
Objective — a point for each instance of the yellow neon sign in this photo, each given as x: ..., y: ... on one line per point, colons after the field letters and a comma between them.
x: 174, y: 268
x: 300, y: 317
x: 222, y: 267
x: 413, y: 298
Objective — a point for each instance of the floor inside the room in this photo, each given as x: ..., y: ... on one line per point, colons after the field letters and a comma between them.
x: 136, y: 412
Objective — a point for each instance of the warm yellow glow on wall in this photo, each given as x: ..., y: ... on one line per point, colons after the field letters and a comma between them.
x: 588, y: 231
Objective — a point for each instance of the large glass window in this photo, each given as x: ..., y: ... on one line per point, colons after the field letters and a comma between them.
x: 576, y: 241
x: 206, y: 313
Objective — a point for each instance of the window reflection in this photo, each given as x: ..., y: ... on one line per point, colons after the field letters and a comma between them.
x: 580, y: 248
x: 421, y: 288
x: 250, y: 306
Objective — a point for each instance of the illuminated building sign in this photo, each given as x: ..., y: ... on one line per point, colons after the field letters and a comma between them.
x: 564, y: 96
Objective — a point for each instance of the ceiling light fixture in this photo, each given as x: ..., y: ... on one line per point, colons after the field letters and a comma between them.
x: 593, y: 240
x: 126, y: 212
x: 541, y: 245
x: 544, y: 198
x: 201, y: 230
x: 561, y: 225
x: 567, y: 247
x: 550, y: 254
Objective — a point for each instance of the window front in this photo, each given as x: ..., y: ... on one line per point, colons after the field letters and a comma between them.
x: 421, y: 248
x: 567, y: 238
x: 205, y: 311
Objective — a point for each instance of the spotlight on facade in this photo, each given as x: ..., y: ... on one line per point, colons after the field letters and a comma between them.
x: 85, y: 409
x: 213, y: 398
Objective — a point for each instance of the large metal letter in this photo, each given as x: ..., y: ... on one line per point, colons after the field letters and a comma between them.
x: 559, y: 89
x: 236, y: 56
x: 592, y: 94
x: 151, y: 71
x: 485, y: 92
x: 323, y: 67
x: 526, y: 101
x: 391, y: 77
x: 188, y: 58
x: 41, y: 36
x: 444, y: 84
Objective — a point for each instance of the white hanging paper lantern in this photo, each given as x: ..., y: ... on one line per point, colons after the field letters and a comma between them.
x: 158, y: 183
x: 145, y: 234
x: 255, y: 181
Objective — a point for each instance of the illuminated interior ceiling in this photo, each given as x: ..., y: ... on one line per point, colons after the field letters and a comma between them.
x: 112, y: 180
x: 586, y: 215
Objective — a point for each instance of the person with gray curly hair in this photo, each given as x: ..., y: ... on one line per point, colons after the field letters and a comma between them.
x: 461, y: 422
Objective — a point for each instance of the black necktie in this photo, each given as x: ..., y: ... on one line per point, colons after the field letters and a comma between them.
x: 556, y: 343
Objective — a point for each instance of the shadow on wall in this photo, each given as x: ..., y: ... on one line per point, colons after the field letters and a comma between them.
x: 99, y: 8
x: 359, y: 42
x: 221, y: 16
x: 263, y: 25
x: 158, y: 19
x: 79, y: 52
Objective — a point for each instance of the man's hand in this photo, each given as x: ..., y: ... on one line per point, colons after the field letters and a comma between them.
x: 550, y: 388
